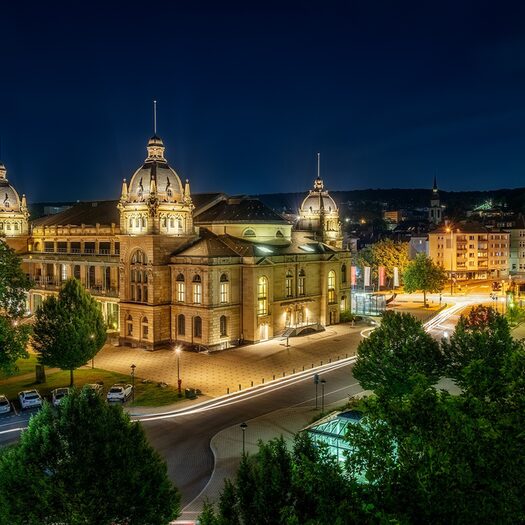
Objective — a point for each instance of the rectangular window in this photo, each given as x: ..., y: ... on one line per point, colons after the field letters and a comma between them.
x: 225, y: 292
x: 180, y: 292
x: 300, y: 285
x: 197, y: 293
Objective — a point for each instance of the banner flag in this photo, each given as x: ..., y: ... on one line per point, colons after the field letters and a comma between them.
x: 381, y: 276
x: 353, y: 275
x: 396, y: 276
x: 367, y: 275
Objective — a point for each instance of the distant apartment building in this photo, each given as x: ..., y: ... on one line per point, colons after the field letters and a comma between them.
x: 517, y: 246
x: 471, y: 251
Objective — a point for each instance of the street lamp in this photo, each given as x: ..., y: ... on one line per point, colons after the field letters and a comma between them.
x: 243, y: 426
x: 316, y: 382
x: 179, y: 381
x: 133, y: 382
x: 323, y: 382
x: 92, y: 336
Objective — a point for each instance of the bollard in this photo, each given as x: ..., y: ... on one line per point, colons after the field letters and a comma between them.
x: 338, y: 358
x: 312, y: 365
x: 330, y: 360
x: 228, y: 390
x: 303, y: 368
x: 347, y: 356
x: 283, y: 374
x: 321, y: 363
x: 293, y: 371
x: 239, y: 386
x: 274, y: 377
x: 263, y: 381
x: 252, y: 383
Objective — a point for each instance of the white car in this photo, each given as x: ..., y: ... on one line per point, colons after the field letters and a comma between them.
x: 94, y: 387
x: 119, y: 392
x: 30, y: 399
x: 5, y: 405
x: 58, y: 394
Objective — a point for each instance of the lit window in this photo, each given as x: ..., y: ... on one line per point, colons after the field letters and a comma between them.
x: 180, y: 288
x: 145, y: 328
x: 129, y: 325
x: 289, y: 284
x: 197, y: 290
x: 262, y: 296
x: 331, y: 286
x: 225, y: 289
x: 301, y: 283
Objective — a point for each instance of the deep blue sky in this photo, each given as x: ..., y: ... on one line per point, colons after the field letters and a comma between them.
x: 248, y: 92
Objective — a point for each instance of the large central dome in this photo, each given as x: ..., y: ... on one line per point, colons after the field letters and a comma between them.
x: 9, y: 199
x: 168, y: 184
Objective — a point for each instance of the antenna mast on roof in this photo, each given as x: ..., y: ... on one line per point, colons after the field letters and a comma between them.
x: 155, y: 117
x: 318, y: 165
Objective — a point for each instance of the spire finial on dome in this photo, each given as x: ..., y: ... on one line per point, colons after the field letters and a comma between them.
x: 3, y: 171
x: 155, y: 118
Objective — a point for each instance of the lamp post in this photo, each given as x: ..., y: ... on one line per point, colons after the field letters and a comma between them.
x: 92, y: 336
x: 323, y: 382
x: 179, y: 381
x: 243, y: 426
x: 133, y: 382
x: 316, y: 382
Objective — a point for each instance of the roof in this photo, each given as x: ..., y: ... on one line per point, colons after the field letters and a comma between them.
x: 467, y: 227
x: 211, y: 245
x: 206, y: 245
x: 92, y: 212
x: 241, y: 210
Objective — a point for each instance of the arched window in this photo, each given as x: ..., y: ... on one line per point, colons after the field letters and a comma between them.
x: 138, y: 277
x: 197, y: 327
x: 145, y: 328
x: 288, y: 283
x: 301, y: 283
x: 224, y: 326
x: 197, y: 289
x: 225, y: 289
x: 181, y: 288
x: 129, y: 325
x: 181, y: 324
x: 248, y: 233
x: 343, y: 273
x: 331, y: 286
x: 76, y: 271
x: 262, y: 296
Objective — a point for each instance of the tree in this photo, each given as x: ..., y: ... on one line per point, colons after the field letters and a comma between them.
x: 69, y: 329
x: 85, y: 463
x: 479, y: 352
x: 432, y: 457
x: 423, y: 274
x: 386, y: 253
x: 397, y: 355
x: 14, y: 285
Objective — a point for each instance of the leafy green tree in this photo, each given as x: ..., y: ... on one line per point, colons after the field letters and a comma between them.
x: 84, y: 463
x: 432, y: 457
x: 479, y: 351
x: 387, y: 253
x: 14, y: 285
x: 397, y: 355
x: 13, y: 343
x: 425, y: 275
x: 69, y: 329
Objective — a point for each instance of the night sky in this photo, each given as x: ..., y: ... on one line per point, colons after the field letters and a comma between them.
x: 390, y: 93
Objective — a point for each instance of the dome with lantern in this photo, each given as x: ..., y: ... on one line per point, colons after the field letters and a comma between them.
x: 13, y: 209
x: 155, y: 174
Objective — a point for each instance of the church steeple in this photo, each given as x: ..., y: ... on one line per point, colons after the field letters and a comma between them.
x: 435, y: 212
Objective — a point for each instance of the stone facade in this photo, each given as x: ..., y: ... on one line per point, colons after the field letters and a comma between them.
x: 205, y: 271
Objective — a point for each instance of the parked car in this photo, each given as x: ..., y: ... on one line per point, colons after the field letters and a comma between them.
x: 58, y: 394
x: 119, y: 392
x: 98, y: 388
x: 5, y: 405
x: 30, y: 399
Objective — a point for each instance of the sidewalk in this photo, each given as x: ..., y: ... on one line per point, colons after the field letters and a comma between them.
x: 227, y: 371
x: 227, y: 448
x: 231, y: 370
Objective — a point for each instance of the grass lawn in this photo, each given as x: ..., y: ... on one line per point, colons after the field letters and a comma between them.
x: 146, y: 394
x: 25, y: 366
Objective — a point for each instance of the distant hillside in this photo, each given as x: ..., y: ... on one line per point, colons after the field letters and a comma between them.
x: 396, y: 198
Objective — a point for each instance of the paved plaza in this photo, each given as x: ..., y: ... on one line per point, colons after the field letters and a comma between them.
x: 218, y: 373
